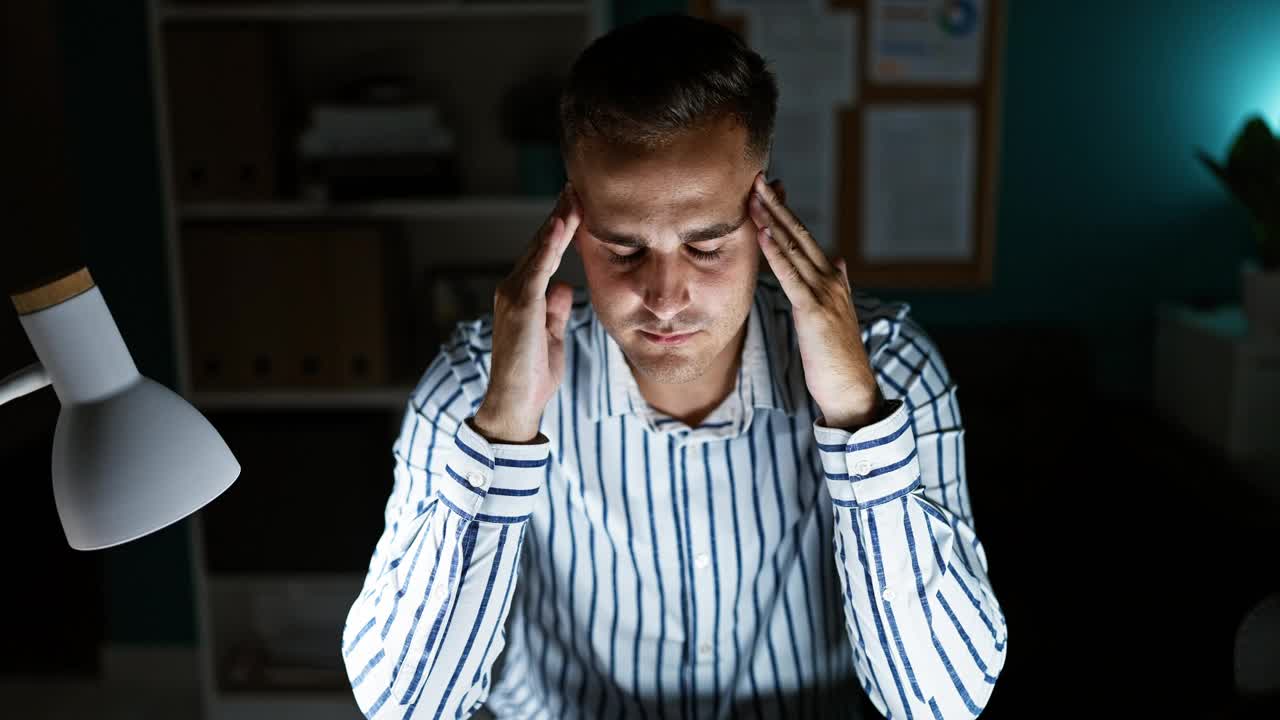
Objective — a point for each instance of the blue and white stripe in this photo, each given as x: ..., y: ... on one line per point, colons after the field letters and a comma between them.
x: 758, y: 565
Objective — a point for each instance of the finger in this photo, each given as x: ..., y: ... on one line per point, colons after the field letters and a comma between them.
x: 791, y: 225
x: 844, y: 272
x: 781, y: 191
x: 535, y: 245
x: 571, y: 213
x: 547, y: 254
x: 531, y: 251
x: 783, y: 241
x: 559, y: 302
x: 546, y: 261
x: 798, y: 290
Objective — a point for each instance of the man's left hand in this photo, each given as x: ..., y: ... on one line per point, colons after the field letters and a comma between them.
x: 836, y: 369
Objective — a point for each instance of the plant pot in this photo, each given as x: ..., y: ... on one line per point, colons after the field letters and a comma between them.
x: 1261, y: 291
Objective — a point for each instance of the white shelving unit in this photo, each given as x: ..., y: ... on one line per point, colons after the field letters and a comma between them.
x: 496, y: 224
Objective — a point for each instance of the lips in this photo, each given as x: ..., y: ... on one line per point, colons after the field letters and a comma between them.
x: 666, y: 338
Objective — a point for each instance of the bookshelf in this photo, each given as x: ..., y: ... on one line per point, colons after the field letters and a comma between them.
x: 330, y: 442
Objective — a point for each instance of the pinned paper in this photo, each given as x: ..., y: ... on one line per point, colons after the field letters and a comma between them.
x: 812, y: 53
x: 926, y: 42
x: 919, y: 178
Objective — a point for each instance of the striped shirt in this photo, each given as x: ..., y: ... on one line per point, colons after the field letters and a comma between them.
x: 757, y: 565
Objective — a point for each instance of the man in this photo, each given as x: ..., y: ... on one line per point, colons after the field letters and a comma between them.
x: 693, y: 496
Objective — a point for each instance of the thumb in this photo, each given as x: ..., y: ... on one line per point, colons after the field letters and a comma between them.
x: 559, y: 302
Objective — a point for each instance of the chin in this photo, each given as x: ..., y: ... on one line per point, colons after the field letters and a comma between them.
x: 669, y: 367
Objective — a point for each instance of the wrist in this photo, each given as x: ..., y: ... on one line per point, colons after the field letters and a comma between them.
x: 856, y: 416
x: 498, y: 428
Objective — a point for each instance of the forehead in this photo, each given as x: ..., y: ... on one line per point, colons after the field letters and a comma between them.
x: 701, y: 174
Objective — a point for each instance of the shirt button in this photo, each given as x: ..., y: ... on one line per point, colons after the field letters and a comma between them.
x: 863, y: 467
x: 704, y: 649
x: 701, y: 560
x: 889, y: 595
x: 476, y: 479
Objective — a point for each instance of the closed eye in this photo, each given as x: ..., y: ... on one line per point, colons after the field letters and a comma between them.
x: 635, y: 257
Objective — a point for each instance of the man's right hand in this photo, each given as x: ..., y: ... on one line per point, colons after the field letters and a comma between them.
x: 529, y: 332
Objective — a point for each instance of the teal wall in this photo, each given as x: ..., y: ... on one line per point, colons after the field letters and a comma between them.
x: 1103, y: 210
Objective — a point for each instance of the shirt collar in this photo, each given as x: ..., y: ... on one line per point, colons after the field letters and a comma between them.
x: 768, y: 377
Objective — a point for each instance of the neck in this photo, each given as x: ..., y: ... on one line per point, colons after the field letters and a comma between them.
x: 693, y: 401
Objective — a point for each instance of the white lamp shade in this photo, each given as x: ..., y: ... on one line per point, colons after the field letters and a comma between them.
x: 134, y: 463
x: 129, y: 456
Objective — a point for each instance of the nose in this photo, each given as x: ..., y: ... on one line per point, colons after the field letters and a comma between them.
x: 666, y: 287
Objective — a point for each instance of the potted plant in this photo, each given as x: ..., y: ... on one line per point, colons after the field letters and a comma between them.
x: 1252, y: 174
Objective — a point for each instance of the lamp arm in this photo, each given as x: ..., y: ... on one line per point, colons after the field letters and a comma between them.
x: 25, y: 381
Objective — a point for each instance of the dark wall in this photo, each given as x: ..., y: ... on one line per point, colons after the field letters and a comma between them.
x: 117, y: 193
x: 84, y: 189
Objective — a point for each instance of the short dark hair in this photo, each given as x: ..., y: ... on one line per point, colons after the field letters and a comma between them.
x: 645, y: 82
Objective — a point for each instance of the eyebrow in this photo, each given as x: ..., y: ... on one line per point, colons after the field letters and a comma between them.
x: 711, y: 232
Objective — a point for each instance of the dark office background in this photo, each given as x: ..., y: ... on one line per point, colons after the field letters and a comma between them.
x: 1124, y: 551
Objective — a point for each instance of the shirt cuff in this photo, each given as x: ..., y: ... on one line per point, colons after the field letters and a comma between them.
x: 873, y: 465
x: 492, y: 482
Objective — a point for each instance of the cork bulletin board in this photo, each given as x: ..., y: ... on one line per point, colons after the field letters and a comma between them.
x: 915, y: 147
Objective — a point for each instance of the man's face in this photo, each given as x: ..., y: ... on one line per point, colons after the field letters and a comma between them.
x: 668, y: 247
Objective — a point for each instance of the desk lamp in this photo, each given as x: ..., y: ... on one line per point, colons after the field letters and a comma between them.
x: 129, y: 455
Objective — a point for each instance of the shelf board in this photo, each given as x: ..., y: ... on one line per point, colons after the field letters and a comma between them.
x: 287, y: 695
x: 473, y: 207
x: 388, y: 398
x: 331, y: 11
x: 284, y: 705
